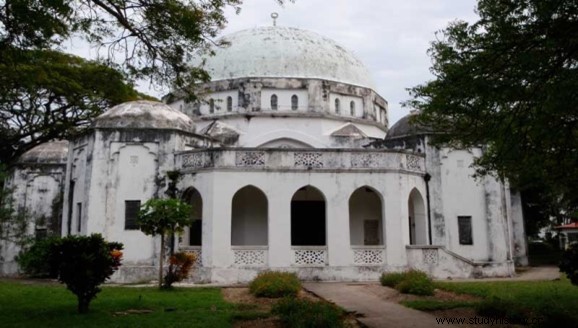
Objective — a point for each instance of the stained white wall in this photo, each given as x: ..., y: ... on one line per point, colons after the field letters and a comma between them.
x: 284, y: 99
x: 344, y: 105
x: 220, y: 101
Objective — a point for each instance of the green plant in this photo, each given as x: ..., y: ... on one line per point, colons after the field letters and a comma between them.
x: 36, y: 260
x: 569, y: 263
x: 164, y: 217
x: 83, y: 263
x: 391, y: 279
x: 415, y: 282
x: 435, y: 305
x: 275, y: 284
x: 299, y: 313
x: 179, y: 268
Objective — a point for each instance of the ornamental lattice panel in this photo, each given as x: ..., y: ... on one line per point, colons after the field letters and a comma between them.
x: 196, y: 160
x: 308, y: 160
x: 365, y: 160
x: 250, y: 158
x: 198, y: 256
x: 310, y: 256
x: 368, y: 256
x: 413, y: 163
x: 251, y: 257
x: 430, y: 256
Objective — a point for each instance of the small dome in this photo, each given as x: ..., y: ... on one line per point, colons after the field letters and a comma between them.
x: 404, y: 128
x: 144, y: 114
x: 53, y: 152
x: 285, y: 52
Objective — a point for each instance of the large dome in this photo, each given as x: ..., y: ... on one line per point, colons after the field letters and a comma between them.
x: 285, y: 52
x: 52, y: 152
x: 144, y: 114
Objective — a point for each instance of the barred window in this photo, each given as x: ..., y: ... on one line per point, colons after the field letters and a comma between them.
x: 131, y: 208
x: 294, y: 102
x: 229, y: 104
x: 465, y: 230
x: 274, y: 102
x: 337, y: 107
x: 352, y: 108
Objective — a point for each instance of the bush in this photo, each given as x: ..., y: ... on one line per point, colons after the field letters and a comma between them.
x: 180, y: 265
x: 500, y: 308
x: 391, y: 279
x: 36, y: 260
x: 83, y: 263
x: 297, y: 313
x: 569, y: 263
x: 275, y: 284
x: 411, y: 282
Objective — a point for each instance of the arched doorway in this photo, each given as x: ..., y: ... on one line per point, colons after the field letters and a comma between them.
x: 193, y: 236
x: 249, y: 217
x: 417, y: 219
x: 308, y: 223
x: 365, y: 217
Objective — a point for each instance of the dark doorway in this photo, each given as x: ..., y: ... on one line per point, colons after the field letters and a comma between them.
x: 308, y: 227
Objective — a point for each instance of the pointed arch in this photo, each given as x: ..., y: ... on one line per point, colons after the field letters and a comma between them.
x: 417, y: 218
x: 366, y: 217
x: 194, y: 234
x: 249, y: 217
x: 308, y: 217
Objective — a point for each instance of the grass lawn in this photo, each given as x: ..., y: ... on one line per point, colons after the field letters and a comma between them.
x: 52, y: 305
x: 551, y: 301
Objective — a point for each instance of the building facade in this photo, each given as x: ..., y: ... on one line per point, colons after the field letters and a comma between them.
x: 288, y: 162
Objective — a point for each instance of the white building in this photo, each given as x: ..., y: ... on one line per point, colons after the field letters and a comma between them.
x: 289, y: 163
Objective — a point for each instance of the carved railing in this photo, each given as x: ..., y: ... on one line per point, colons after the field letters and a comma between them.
x: 300, y: 159
x: 253, y: 256
x: 309, y: 255
x: 197, y: 251
x: 368, y: 255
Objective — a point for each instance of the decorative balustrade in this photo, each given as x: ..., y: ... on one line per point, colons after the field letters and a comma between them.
x: 368, y: 255
x: 309, y: 255
x: 300, y: 159
x: 250, y: 256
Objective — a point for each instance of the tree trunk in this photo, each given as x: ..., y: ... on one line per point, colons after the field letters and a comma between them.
x: 162, y: 255
x: 83, y: 304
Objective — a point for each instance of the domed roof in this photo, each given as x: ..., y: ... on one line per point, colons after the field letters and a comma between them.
x: 52, y: 152
x: 144, y: 114
x: 404, y: 127
x: 285, y: 52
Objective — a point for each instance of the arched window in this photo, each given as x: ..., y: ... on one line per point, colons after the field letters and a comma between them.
x: 337, y: 109
x: 352, y: 108
x: 274, y: 102
x: 212, y: 106
x: 229, y: 104
x: 294, y: 102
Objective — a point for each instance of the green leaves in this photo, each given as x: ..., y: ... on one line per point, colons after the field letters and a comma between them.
x: 163, y: 216
x: 507, y: 82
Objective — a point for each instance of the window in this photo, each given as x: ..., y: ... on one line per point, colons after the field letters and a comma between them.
x: 212, y: 106
x: 229, y: 104
x: 352, y: 108
x: 337, y: 109
x: 131, y: 208
x: 78, y: 216
x: 274, y: 102
x: 294, y: 102
x: 465, y: 230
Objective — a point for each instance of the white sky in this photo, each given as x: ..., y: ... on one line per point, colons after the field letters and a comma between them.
x: 390, y: 37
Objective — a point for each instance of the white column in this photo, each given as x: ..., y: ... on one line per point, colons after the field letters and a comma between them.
x: 279, y: 226
x: 396, y: 221
x: 337, y: 227
x: 220, y: 216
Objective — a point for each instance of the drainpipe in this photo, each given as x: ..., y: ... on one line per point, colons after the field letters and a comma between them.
x: 427, y: 178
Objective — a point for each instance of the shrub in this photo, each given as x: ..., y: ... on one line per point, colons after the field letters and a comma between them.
x: 83, y: 263
x: 180, y: 265
x: 415, y: 282
x: 275, y: 284
x: 502, y: 308
x: 569, y: 263
x: 391, y: 279
x: 298, y: 313
x: 36, y: 260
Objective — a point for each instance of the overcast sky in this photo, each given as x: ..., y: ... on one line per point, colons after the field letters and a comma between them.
x: 390, y: 36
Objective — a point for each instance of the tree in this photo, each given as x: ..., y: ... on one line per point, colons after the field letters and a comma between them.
x: 164, y: 217
x: 569, y: 263
x: 508, y: 83
x: 46, y: 95
x: 83, y: 263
